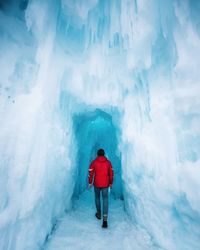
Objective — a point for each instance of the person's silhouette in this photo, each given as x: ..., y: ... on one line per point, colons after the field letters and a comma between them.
x: 102, y: 171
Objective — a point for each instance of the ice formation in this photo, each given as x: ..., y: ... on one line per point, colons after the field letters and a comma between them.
x: 125, y: 71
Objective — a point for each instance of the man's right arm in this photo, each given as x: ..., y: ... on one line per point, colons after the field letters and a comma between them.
x: 111, y: 174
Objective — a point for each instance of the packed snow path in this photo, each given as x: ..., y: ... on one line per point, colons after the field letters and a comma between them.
x: 80, y: 230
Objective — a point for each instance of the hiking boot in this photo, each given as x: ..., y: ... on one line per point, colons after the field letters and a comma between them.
x: 98, y: 216
x: 105, y: 224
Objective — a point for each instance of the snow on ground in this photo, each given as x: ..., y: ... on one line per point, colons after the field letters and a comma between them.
x: 80, y: 230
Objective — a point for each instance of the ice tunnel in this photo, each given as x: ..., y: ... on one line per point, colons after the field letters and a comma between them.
x: 77, y: 75
x: 96, y: 130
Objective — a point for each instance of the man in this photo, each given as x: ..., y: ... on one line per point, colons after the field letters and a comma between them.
x: 101, y: 170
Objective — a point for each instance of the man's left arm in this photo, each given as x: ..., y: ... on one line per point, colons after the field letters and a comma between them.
x: 91, y: 174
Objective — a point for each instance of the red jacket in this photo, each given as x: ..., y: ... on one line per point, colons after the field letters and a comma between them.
x: 102, y: 171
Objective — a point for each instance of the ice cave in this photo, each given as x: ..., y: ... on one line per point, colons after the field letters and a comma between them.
x: 79, y: 75
x: 93, y: 131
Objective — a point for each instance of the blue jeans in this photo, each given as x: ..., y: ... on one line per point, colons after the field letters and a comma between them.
x: 98, y: 201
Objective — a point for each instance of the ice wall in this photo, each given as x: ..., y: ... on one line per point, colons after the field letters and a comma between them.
x: 60, y: 58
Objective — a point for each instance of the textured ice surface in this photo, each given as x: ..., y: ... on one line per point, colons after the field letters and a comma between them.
x: 138, y: 62
x: 80, y: 230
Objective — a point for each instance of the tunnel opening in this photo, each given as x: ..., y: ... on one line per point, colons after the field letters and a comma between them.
x: 94, y: 130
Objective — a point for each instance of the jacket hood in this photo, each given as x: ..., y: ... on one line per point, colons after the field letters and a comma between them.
x: 101, y: 158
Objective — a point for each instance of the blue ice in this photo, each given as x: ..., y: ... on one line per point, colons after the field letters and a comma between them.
x: 78, y: 75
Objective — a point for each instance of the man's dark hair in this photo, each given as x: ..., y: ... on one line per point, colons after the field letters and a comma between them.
x: 100, y: 152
